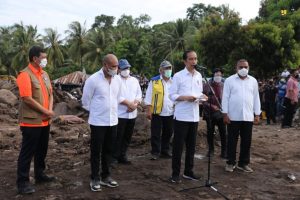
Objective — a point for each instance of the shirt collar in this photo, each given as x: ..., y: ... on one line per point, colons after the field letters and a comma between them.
x: 237, y: 76
x: 34, y: 70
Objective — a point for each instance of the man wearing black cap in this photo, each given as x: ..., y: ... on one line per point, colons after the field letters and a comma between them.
x: 160, y: 111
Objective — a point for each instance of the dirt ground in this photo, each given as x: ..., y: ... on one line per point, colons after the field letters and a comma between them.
x: 275, y: 155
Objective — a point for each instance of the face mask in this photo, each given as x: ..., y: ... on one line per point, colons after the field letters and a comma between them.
x: 217, y: 79
x: 125, y: 73
x: 168, y: 73
x: 296, y: 76
x: 243, y: 72
x: 43, y: 63
x: 112, y: 72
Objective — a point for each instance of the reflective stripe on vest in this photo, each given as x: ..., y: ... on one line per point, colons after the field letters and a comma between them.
x: 157, y: 96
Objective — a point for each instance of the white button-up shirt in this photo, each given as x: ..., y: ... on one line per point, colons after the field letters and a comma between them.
x: 101, y: 99
x: 241, y: 98
x: 131, y: 91
x: 186, y: 84
x: 168, y: 105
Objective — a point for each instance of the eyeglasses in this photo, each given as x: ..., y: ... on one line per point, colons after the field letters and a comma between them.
x: 241, y: 67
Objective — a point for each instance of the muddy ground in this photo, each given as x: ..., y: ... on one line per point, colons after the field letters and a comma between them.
x: 275, y: 155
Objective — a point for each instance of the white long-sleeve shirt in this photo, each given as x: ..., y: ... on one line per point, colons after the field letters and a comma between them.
x: 101, y: 99
x: 131, y: 91
x: 186, y: 84
x: 168, y: 105
x: 241, y: 98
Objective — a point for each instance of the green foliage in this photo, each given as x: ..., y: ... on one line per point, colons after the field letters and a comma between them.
x: 271, y: 41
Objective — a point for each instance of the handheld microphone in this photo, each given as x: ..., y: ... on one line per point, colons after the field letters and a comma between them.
x: 200, y: 67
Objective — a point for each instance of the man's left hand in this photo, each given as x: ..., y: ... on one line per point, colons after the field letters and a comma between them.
x: 256, y: 120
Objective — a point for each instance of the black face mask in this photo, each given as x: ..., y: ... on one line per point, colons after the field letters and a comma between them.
x: 297, y: 76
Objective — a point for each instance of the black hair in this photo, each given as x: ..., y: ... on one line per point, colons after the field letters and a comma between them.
x: 35, y: 51
x: 185, y: 54
x: 217, y: 70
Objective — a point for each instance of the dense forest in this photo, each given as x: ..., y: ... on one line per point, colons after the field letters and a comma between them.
x: 271, y: 41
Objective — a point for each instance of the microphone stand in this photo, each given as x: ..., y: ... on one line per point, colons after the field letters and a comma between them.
x: 208, y: 182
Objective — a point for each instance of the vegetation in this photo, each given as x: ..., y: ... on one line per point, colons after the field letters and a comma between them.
x: 271, y: 41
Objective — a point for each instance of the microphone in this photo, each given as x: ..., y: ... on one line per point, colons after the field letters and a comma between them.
x: 200, y: 67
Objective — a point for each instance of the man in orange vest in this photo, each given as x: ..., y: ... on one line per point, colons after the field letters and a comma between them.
x: 35, y: 113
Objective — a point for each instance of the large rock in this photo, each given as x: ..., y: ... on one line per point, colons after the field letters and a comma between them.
x: 7, y: 97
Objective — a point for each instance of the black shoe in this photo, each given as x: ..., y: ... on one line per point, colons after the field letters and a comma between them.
x: 166, y: 155
x: 44, y: 179
x: 25, y: 189
x: 191, y: 176
x: 174, y: 179
x: 124, y: 161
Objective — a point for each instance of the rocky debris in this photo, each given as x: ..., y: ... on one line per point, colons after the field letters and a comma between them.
x: 7, y: 97
x: 68, y: 119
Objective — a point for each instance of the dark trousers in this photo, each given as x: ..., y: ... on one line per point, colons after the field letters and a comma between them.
x: 184, y: 132
x: 270, y: 111
x: 244, y: 130
x: 102, y: 138
x: 34, y: 144
x: 123, y: 139
x: 210, y: 134
x: 161, y: 133
x: 289, y: 112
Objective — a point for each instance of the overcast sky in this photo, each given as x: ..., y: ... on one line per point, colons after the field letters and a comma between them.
x: 58, y: 14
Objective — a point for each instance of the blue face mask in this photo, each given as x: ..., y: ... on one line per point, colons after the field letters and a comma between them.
x: 168, y: 73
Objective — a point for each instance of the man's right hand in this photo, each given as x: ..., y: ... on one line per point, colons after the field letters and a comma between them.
x: 226, y: 119
x: 149, y: 115
x: 49, y: 114
x: 190, y: 98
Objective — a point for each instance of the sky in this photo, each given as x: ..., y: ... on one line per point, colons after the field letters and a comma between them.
x: 58, y: 14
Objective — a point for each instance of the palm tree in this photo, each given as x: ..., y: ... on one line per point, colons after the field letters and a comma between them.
x: 24, y: 37
x: 98, y: 41
x: 54, y: 48
x: 172, y: 37
x: 77, y: 40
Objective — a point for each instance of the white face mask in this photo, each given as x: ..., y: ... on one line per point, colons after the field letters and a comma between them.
x: 112, y: 72
x: 243, y: 72
x: 43, y: 63
x: 125, y: 73
x: 217, y: 79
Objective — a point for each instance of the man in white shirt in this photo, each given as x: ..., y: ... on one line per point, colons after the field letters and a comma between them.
x: 127, y: 111
x: 240, y: 103
x: 101, y: 96
x: 160, y: 111
x: 186, y: 91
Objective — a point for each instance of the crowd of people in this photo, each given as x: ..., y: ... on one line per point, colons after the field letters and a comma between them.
x: 111, y: 97
x: 280, y: 96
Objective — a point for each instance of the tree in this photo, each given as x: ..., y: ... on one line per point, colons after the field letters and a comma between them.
x: 54, y: 48
x: 103, y: 21
x: 24, y: 37
x: 77, y: 41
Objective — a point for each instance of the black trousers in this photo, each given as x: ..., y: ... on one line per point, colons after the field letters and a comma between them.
x: 102, y: 138
x: 288, y: 112
x: 211, y: 124
x: 123, y: 139
x: 34, y: 144
x: 244, y: 130
x: 270, y: 109
x: 161, y: 133
x: 184, y: 132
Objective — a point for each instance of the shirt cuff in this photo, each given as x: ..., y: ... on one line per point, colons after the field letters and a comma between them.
x: 174, y: 97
